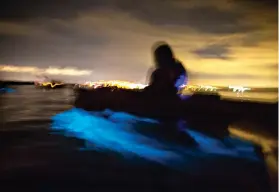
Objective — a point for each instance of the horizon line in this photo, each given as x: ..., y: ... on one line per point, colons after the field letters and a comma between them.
x: 22, y: 81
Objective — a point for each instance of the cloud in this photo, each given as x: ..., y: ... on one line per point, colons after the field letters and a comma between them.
x: 54, y: 43
x: 15, y: 10
x: 271, y: 4
x: 217, y: 79
x: 205, y: 18
x: 213, y: 51
x: 204, y: 75
x: 255, y: 38
x: 114, y: 38
x: 266, y: 66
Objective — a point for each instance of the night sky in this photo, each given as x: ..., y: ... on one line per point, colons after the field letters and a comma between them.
x: 220, y: 42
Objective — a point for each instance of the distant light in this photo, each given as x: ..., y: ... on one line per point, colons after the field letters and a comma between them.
x: 200, y: 88
x: 51, y: 84
x: 239, y: 88
x: 116, y: 83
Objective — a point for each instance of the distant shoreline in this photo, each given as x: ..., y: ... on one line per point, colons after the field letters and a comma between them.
x: 7, y: 83
x: 16, y: 83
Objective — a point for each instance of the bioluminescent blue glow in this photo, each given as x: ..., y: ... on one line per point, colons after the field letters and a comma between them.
x: 228, y: 146
x: 180, y: 81
x: 7, y: 90
x: 105, y: 134
x: 117, y: 133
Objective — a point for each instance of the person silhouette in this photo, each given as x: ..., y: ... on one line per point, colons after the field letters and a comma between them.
x: 169, y: 74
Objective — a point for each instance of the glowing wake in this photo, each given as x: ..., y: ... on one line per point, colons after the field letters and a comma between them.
x: 105, y: 134
x: 117, y: 133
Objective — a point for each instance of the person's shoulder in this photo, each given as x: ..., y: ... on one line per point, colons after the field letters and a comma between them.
x: 179, y: 65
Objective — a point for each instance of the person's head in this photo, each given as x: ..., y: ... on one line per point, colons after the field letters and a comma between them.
x: 163, y: 54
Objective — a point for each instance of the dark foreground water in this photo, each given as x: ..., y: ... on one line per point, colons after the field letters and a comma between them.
x: 48, y: 145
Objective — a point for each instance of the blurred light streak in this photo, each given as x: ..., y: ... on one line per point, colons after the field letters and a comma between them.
x: 66, y: 71
x: 114, y: 83
x: 51, y: 84
x: 266, y: 143
x: 130, y: 85
x: 268, y: 146
x: 50, y: 70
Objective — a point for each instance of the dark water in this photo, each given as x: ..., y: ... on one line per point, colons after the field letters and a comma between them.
x: 35, y: 150
x: 28, y: 103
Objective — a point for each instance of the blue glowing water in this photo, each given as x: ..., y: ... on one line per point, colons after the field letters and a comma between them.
x: 7, y: 90
x: 115, y: 131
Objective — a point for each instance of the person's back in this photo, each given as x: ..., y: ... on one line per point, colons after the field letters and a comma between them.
x: 169, y: 73
x: 161, y: 83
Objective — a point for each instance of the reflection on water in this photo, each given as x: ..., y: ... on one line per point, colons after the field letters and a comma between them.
x: 28, y: 103
x: 269, y: 147
x: 268, y: 97
x: 251, y: 96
